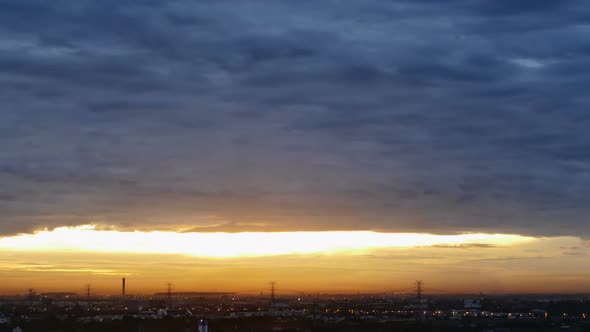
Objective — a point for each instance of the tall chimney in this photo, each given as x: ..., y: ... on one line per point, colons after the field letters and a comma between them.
x: 123, y: 290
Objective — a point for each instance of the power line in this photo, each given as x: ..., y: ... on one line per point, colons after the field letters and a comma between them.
x: 435, y: 290
x: 402, y: 290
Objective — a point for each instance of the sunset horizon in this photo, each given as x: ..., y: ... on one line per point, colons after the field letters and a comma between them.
x: 169, y: 164
x: 324, y: 261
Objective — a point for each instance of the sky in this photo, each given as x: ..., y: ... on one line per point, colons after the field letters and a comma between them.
x: 421, y: 116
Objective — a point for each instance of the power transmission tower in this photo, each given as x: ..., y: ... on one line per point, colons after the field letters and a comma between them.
x: 169, y: 293
x: 419, y: 284
x: 272, y: 292
x: 31, y: 295
x: 88, y: 306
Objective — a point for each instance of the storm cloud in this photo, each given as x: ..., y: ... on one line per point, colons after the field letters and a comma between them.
x: 433, y: 116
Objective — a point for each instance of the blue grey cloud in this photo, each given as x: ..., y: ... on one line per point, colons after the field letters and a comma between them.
x: 399, y: 116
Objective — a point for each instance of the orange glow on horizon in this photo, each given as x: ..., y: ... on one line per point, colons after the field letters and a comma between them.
x: 245, y: 244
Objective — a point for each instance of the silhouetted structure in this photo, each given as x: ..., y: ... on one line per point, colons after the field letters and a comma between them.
x: 419, y: 284
x: 272, y: 292
x: 31, y: 296
x: 169, y: 295
x: 123, y: 291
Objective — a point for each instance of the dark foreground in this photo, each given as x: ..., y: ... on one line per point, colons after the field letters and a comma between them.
x: 267, y: 324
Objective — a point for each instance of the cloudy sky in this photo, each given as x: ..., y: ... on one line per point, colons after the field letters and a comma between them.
x: 394, y: 116
x: 385, y: 115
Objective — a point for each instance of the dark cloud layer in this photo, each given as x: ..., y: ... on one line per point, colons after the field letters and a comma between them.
x: 401, y: 116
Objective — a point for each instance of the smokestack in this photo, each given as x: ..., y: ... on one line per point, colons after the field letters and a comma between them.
x: 123, y: 290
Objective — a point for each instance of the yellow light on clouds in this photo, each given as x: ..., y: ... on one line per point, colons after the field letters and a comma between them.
x: 87, y: 238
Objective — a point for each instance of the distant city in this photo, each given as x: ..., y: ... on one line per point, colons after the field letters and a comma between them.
x: 414, y: 309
